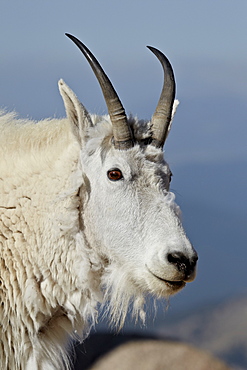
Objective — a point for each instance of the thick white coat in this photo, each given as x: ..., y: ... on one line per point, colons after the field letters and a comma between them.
x: 70, y: 238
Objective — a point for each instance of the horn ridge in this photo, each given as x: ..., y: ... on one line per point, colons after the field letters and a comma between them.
x: 162, y: 116
x: 122, y: 133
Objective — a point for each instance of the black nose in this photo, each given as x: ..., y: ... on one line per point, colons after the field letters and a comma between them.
x: 183, y: 263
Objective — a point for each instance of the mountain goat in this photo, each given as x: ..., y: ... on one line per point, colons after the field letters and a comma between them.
x: 86, y: 217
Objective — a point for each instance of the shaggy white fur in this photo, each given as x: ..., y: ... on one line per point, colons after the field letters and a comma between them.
x: 71, y: 239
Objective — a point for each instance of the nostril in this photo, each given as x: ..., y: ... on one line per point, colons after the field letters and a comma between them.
x: 194, y: 260
x: 175, y: 257
x: 182, y: 262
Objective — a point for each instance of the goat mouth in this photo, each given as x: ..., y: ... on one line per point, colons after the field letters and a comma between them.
x: 172, y: 284
x: 176, y: 284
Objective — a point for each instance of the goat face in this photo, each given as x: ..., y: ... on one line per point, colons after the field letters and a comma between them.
x: 128, y: 214
x: 130, y: 218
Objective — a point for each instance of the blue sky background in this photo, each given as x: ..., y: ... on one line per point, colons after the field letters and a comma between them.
x: 206, y: 44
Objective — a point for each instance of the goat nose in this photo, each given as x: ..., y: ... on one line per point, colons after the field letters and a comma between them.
x: 183, y: 263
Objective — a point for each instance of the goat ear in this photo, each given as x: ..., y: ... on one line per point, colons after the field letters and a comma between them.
x: 76, y: 112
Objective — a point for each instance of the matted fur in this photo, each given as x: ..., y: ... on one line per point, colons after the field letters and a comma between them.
x: 64, y: 249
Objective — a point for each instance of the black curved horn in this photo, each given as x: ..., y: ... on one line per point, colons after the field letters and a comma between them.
x: 163, y: 112
x: 122, y: 133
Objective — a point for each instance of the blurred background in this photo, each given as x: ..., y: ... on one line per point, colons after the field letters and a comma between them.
x: 207, y: 151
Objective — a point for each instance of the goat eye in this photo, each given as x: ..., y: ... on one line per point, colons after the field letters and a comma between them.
x: 115, y: 174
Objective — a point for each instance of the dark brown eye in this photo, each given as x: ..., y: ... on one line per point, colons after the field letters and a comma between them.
x: 115, y: 174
